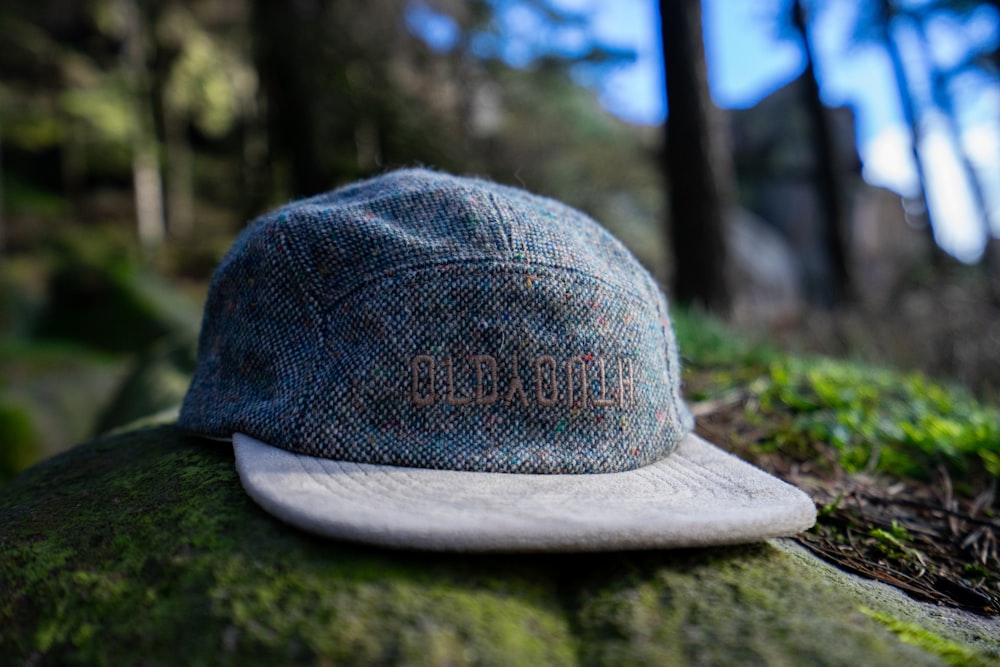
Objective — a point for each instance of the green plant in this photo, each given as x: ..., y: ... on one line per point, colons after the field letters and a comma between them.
x: 880, y: 420
x: 18, y: 441
x: 706, y: 341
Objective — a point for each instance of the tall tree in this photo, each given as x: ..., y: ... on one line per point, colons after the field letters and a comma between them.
x: 286, y: 37
x: 827, y: 173
x: 941, y: 96
x: 206, y: 88
x: 146, y: 175
x: 886, y: 13
x: 338, y: 109
x: 697, y: 166
x: 3, y: 228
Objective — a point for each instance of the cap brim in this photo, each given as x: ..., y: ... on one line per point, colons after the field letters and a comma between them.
x: 697, y: 496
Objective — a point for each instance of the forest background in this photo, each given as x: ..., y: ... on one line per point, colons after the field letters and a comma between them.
x: 137, y: 138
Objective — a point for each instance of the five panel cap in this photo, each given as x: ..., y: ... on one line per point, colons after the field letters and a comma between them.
x: 426, y: 361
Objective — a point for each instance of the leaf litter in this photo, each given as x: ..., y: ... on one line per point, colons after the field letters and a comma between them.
x: 931, y: 538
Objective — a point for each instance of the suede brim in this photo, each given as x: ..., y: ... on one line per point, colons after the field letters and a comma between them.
x: 697, y: 496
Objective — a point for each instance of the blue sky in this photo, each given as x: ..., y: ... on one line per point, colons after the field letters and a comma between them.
x: 747, y: 61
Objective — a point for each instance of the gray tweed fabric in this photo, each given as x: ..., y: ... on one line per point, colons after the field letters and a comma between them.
x: 424, y: 320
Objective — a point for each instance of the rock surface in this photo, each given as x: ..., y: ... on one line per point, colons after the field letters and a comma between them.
x: 141, y: 548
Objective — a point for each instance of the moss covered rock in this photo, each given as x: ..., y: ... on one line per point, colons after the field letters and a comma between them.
x: 141, y: 548
x: 20, y: 446
x: 100, y: 297
x: 50, y: 398
x: 156, y: 381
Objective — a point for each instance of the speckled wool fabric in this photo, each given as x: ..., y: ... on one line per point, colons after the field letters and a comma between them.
x: 432, y: 362
x: 424, y: 320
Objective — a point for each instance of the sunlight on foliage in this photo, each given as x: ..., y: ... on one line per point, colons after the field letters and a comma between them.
x: 105, y: 107
x: 24, y: 126
x: 893, y: 543
x: 877, y: 419
x: 705, y: 340
x: 210, y: 81
x: 20, y: 441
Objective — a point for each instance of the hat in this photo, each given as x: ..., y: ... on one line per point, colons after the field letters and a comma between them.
x: 426, y: 361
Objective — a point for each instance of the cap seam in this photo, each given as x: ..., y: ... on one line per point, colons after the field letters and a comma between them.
x: 484, y: 262
x: 673, y: 365
x: 499, y: 230
x: 315, y: 309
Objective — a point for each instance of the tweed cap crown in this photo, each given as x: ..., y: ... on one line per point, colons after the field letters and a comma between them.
x: 425, y: 320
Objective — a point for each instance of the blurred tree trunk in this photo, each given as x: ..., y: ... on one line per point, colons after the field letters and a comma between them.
x: 180, y: 174
x: 330, y: 104
x: 73, y: 162
x: 254, y: 167
x: 943, y: 101
x: 147, y: 181
x: 886, y: 13
x: 697, y: 166
x: 827, y: 175
x: 3, y: 227
x: 288, y: 49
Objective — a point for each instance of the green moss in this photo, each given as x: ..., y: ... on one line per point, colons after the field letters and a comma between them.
x: 705, y: 341
x: 951, y: 652
x: 51, y: 395
x: 878, y: 419
x: 391, y: 615
x: 104, y: 563
x: 19, y: 446
x: 705, y: 603
x: 142, y: 546
x: 904, y: 424
x: 159, y: 541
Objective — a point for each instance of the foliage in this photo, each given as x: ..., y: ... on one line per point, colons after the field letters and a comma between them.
x: 877, y: 419
x: 243, y: 105
x: 104, y: 107
x: 211, y: 79
x: 715, y: 361
x: 880, y: 420
x: 705, y: 340
x: 826, y: 425
x: 28, y: 125
x: 18, y: 441
x: 892, y: 542
x: 98, y: 295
